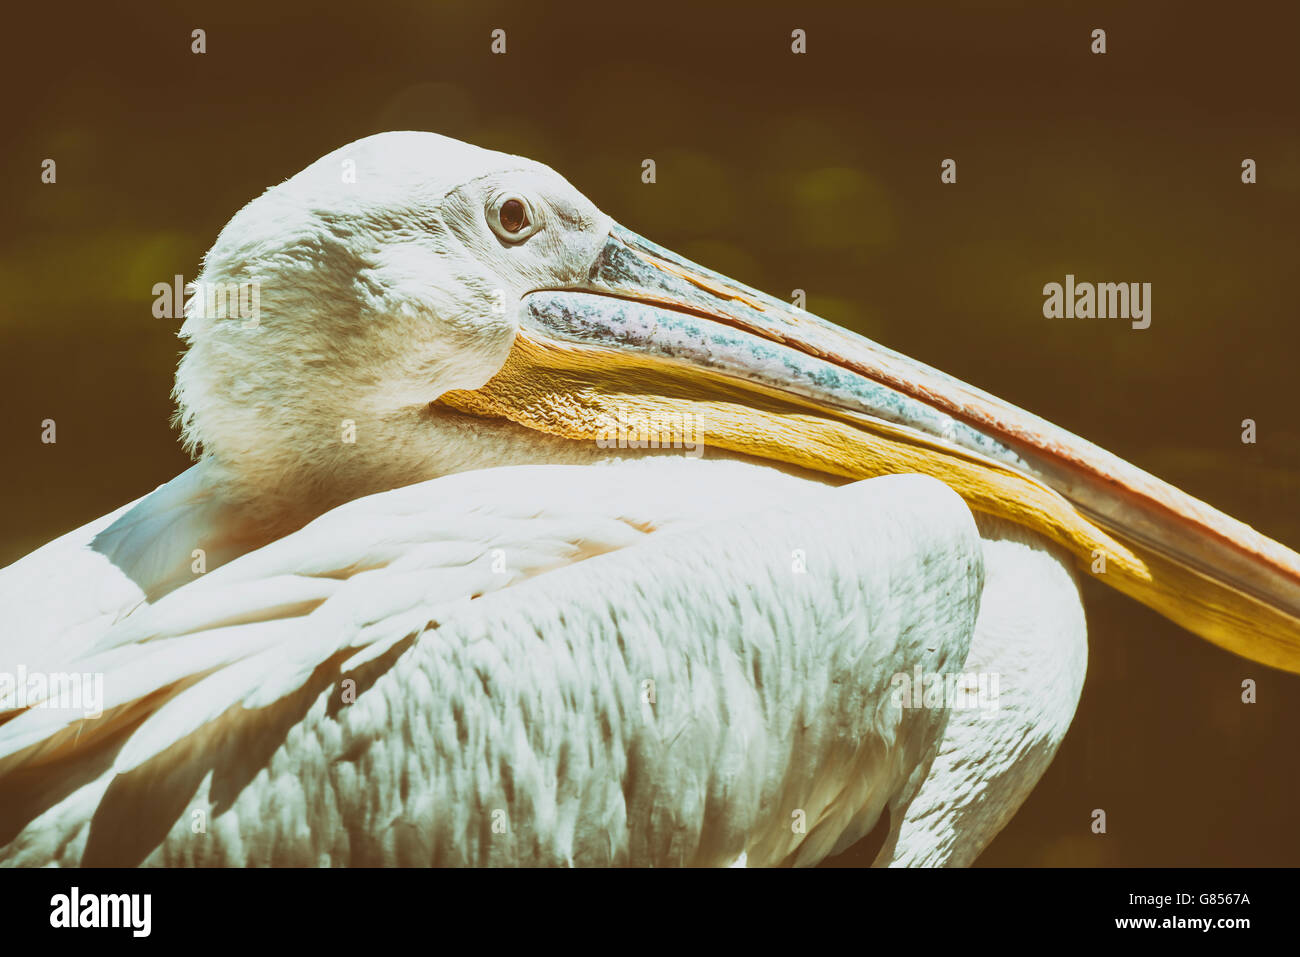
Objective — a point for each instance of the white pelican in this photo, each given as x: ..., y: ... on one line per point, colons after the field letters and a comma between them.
x: 395, y: 615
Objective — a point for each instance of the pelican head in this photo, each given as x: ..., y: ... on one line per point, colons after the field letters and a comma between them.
x: 387, y: 274
x: 423, y: 303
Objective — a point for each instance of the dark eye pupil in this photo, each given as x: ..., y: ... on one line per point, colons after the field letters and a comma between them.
x: 512, y: 215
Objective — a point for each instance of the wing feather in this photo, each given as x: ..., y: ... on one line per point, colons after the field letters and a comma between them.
x: 533, y: 603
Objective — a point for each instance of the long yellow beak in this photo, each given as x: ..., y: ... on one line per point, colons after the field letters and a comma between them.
x: 653, y: 338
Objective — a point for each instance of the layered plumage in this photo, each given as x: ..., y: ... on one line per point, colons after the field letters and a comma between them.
x: 646, y: 676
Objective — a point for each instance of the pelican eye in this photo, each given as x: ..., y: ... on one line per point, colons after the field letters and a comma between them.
x: 513, y: 216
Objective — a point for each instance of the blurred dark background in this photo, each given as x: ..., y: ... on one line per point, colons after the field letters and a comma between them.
x: 818, y: 172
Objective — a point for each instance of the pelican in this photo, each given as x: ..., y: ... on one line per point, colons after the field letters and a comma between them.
x: 515, y: 538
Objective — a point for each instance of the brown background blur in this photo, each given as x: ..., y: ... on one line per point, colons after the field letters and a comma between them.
x: 819, y: 172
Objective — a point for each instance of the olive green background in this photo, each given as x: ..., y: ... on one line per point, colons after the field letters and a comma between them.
x: 818, y: 172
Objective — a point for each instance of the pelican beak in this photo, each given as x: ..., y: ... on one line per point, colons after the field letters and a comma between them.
x: 656, y: 344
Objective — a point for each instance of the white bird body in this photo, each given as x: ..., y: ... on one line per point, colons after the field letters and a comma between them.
x: 472, y: 632
x: 579, y: 698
